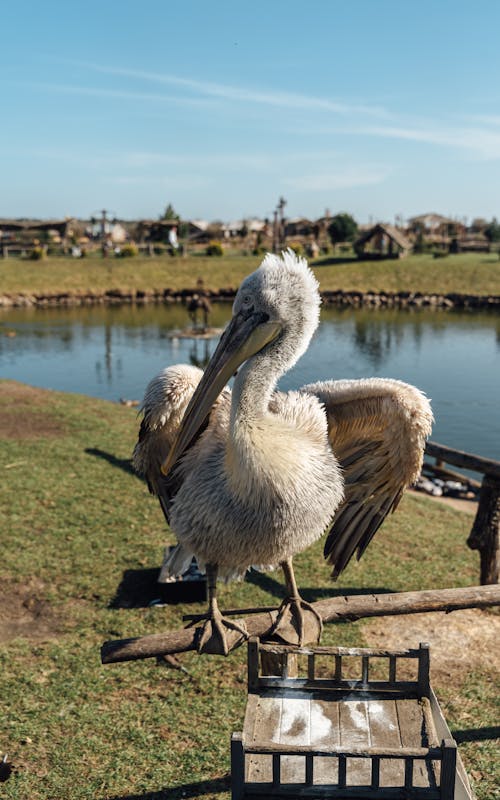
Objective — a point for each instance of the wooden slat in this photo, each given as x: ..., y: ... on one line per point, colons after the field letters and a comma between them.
x: 355, y: 732
x: 459, y: 458
x: 325, y: 731
x: 384, y: 732
x: 264, y: 724
x: 295, y: 729
x: 412, y: 732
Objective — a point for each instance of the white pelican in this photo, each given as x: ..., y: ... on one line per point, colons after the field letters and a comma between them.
x: 254, y: 477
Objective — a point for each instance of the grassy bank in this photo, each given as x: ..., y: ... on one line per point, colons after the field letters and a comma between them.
x: 81, y: 542
x: 466, y: 273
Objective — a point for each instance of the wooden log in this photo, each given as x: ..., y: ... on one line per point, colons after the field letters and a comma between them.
x: 485, y: 533
x: 487, y: 466
x: 335, y: 609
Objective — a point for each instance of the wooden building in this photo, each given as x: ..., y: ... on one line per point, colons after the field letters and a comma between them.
x: 382, y: 241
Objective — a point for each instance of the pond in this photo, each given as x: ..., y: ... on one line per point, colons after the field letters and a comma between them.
x: 112, y: 352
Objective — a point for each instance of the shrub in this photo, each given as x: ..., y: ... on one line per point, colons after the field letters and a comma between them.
x: 343, y: 228
x: 297, y: 248
x: 37, y: 254
x: 439, y: 253
x: 128, y: 251
x: 214, y: 248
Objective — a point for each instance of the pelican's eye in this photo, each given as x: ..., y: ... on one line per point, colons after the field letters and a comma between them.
x: 246, y: 306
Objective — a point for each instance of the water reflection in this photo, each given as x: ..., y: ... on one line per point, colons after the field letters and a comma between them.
x: 199, y: 354
x: 113, y: 352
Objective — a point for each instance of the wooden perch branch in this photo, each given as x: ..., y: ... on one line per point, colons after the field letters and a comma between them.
x: 335, y: 609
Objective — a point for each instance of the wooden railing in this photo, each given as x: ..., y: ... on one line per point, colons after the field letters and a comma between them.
x: 485, y: 532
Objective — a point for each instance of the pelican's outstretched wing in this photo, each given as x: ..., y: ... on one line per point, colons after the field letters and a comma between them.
x: 377, y: 429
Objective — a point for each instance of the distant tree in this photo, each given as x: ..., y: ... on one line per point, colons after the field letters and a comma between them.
x: 492, y: 230
x: 170, y: 213
x: 342, y: 228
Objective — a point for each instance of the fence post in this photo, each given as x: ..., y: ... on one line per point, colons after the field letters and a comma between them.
x: 237, y: 767
x: 448, y: 769
x: 485, y: 532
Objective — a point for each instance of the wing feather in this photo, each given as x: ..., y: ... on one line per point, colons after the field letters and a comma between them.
x: 165, y: 401
x: 377, y: 428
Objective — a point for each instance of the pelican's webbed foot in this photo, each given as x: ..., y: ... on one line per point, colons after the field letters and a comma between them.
x: 219, y: 635
x: 297, y: 623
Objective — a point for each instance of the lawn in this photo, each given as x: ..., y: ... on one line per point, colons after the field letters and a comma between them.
x: 82, y: 539
x: 467, y: 273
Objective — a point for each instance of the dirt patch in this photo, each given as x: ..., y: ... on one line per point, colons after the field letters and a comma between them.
x: 460, y: 641
x: 21, y: 416
x: 458, y: 503
x: 25, y: 613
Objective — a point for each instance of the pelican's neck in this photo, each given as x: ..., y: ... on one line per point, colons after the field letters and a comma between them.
x: 252, y: 390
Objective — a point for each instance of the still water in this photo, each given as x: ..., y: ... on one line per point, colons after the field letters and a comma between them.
x: 113, y: 352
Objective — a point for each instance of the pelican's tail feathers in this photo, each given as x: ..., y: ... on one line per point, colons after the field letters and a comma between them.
x: 176, y: 563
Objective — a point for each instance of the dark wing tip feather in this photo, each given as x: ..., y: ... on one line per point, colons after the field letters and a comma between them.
x: 353, y: 529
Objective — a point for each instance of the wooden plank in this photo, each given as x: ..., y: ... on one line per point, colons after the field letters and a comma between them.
x: 295, y: 729
x: 355, y: 732
x: 264, y: 722
x: 384, y: 733
x: 459, y: 458
x: 325, y: 731
x: 413, y: 734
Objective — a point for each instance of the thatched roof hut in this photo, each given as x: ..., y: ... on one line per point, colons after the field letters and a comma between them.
x: 382, y: 241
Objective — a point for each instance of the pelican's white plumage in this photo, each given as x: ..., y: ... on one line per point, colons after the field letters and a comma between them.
x: 256, y: 477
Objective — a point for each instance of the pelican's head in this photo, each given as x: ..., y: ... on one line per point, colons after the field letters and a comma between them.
x: 284, y: 291
x: 276, y: 311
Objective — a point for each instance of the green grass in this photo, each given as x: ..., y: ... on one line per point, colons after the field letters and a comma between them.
x: 466, y: 273
x: 73, y: 521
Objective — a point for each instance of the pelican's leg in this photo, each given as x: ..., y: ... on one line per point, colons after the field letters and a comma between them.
x: 218, y: 634
x: 297, y: 621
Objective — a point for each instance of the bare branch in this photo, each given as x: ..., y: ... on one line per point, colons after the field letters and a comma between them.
x: 335, y: 609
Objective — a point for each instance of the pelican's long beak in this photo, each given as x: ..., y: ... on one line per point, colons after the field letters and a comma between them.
x: 245, y: 335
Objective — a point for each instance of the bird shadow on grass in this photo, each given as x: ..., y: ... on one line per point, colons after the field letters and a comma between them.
x: 198, y: 789
x: 122, y: 463
x: 277, y: 588
x: 138, y: 588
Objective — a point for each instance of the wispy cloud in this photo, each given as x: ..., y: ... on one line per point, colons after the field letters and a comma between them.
x: 244, y: 94
x: 343, y: 178
x: 117, y: 94
x: 480, y: 142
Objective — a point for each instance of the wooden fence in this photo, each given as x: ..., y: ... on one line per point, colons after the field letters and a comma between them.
x: 484, y: 535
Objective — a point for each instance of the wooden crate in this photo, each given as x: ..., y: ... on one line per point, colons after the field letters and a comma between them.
x: 353, y: 723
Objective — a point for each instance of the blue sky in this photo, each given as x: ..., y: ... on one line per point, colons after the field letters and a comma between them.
x: 374, y: 107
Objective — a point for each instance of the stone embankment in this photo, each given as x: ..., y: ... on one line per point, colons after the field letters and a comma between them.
x: 338, y: 298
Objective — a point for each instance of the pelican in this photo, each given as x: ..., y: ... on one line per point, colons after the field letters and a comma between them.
x: 254, y: 476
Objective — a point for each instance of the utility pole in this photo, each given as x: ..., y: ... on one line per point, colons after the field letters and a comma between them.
x: 104, y: 219
x: 279, y: 225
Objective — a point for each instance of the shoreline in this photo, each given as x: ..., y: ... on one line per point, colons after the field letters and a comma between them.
x: 338, y: 298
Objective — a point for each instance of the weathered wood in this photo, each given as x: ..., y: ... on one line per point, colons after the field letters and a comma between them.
x: 237, y: 766
x: 349, y: 751
x: 487, y: 466
x: 485, y: 533
x: 336, y: 609
x: 449, y: 474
